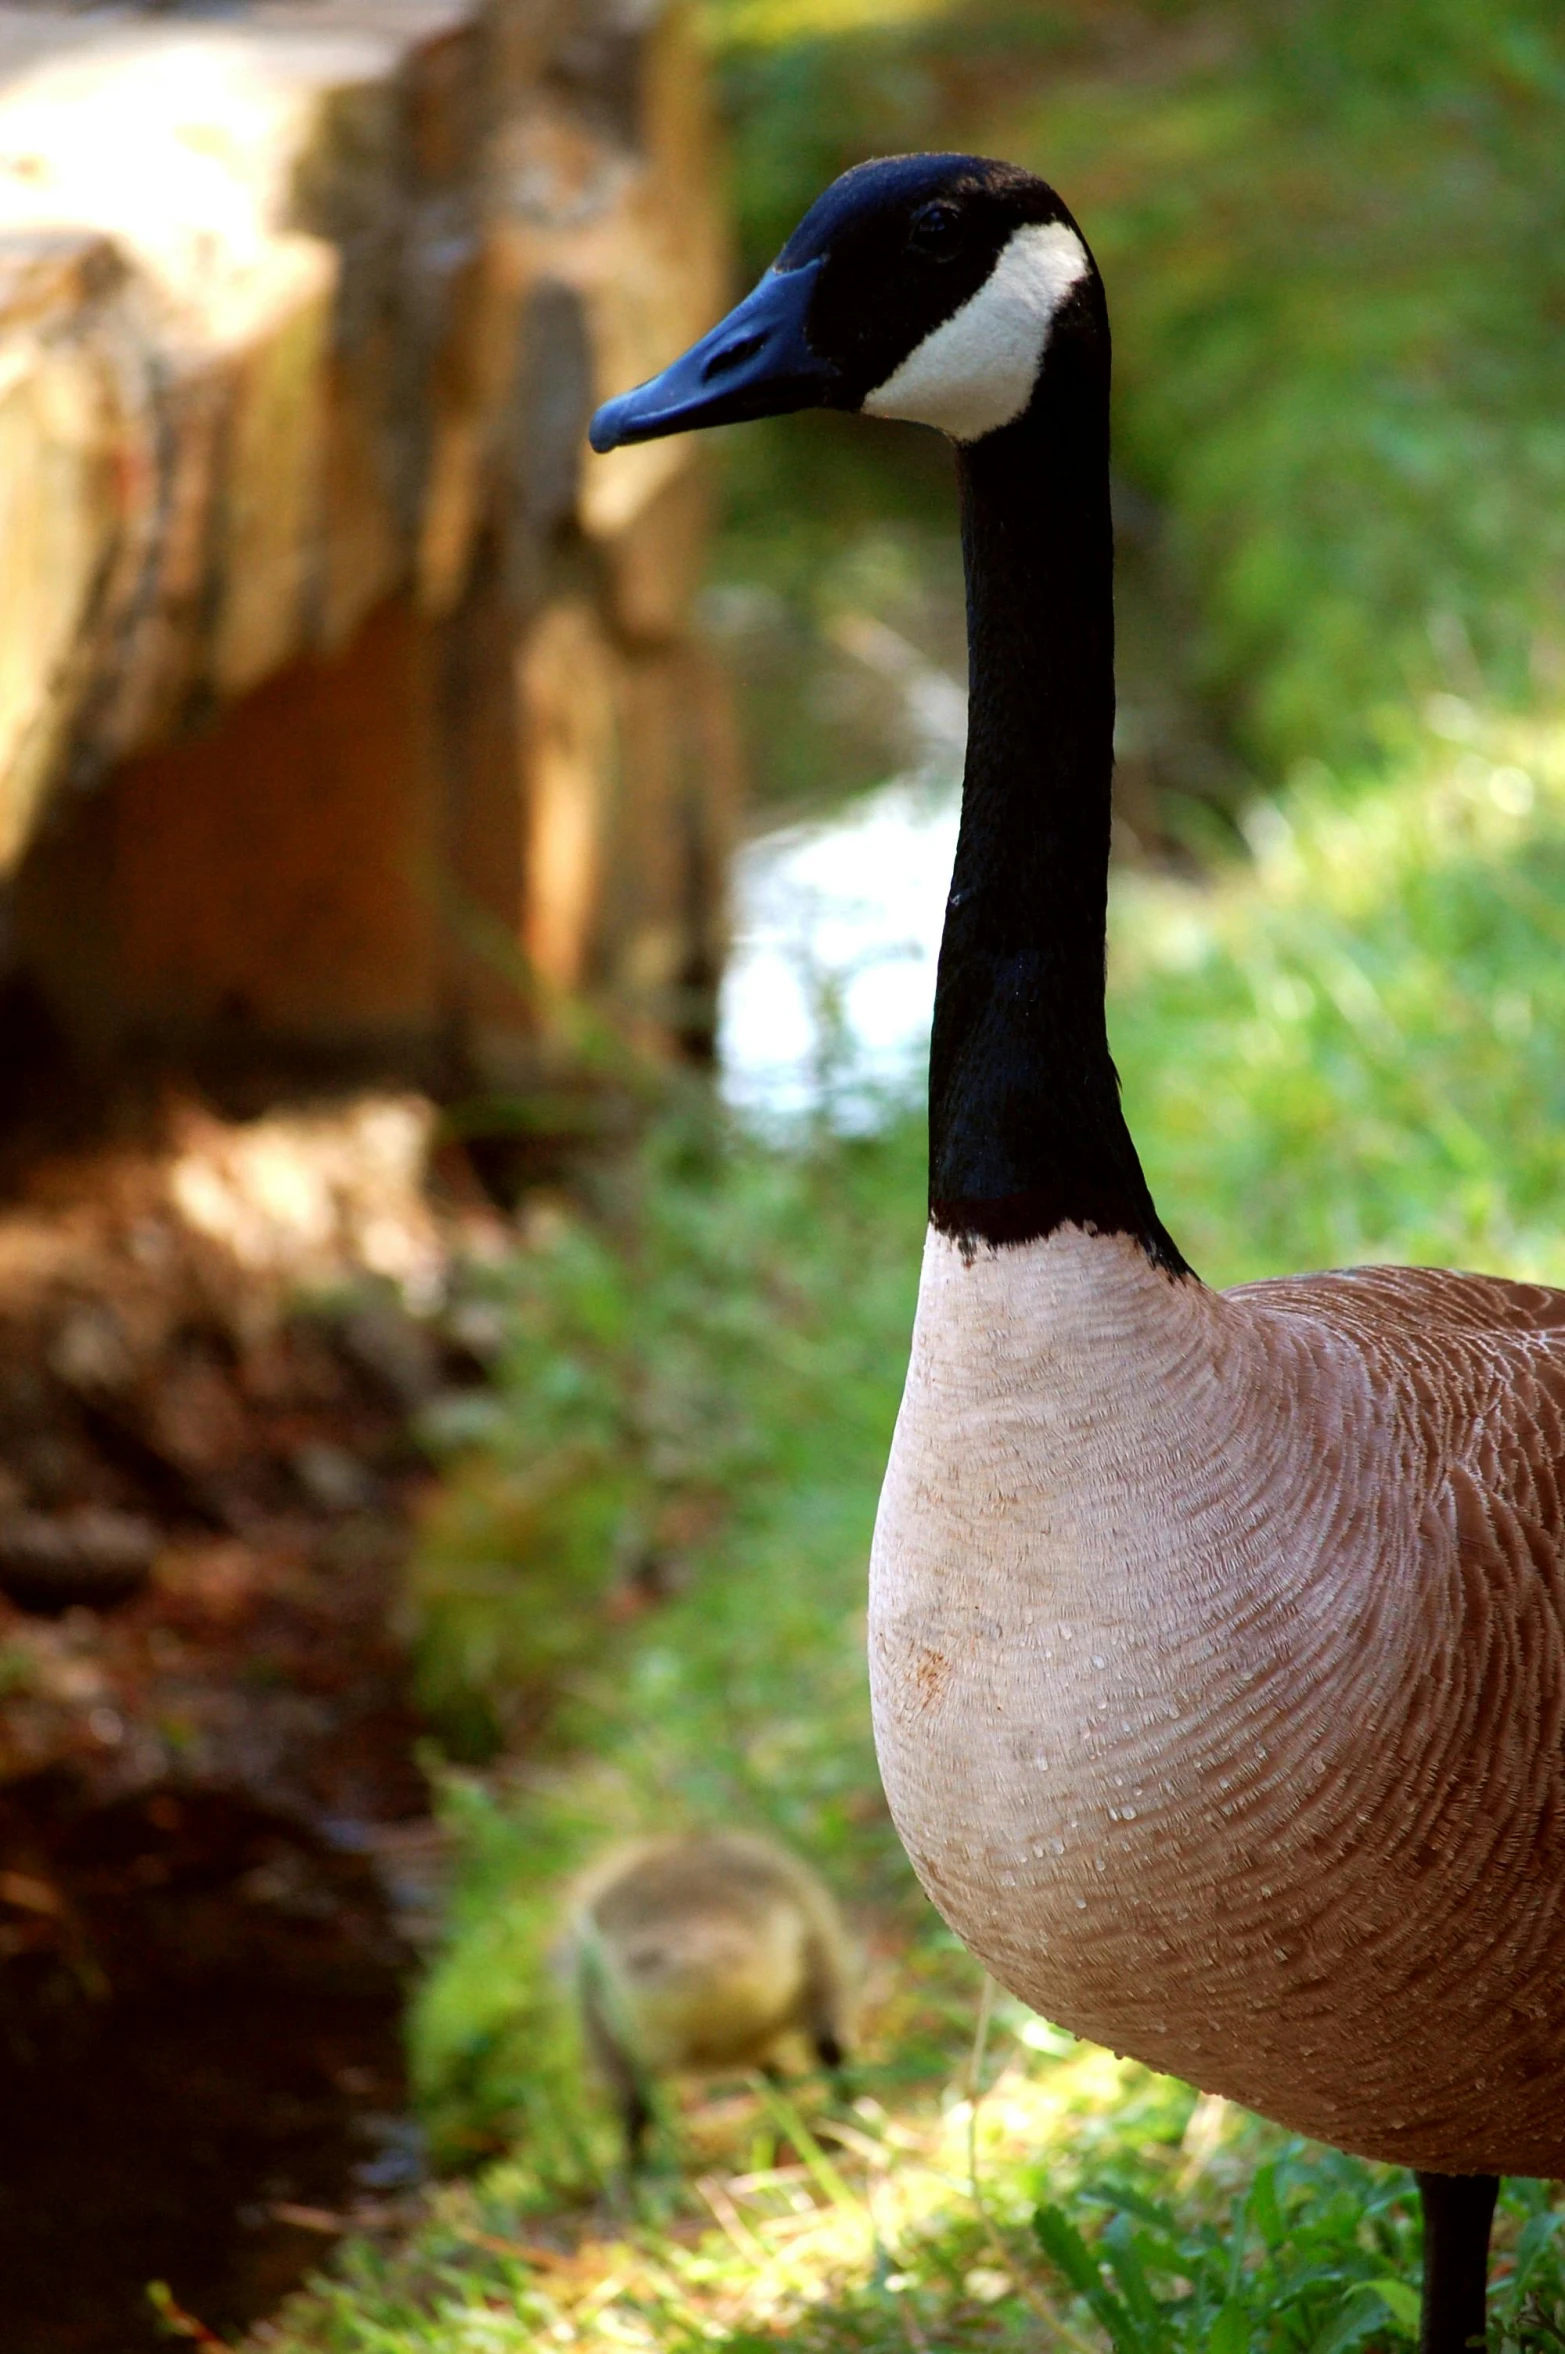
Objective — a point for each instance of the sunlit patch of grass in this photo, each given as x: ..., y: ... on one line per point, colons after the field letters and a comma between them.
x: 1351, y: 1051
x: 765, y: 24
x: 1079, y: 2204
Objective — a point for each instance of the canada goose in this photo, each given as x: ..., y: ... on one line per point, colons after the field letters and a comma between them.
x: 710, y: 1951
x: 1216, y: 1638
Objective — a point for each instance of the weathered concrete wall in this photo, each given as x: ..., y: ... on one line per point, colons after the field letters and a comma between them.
x: 345, y: 715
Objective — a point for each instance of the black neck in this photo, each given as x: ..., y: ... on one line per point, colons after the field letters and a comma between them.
x: 1025, y: 1128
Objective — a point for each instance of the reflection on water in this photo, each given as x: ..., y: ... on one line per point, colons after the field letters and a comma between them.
x: 827, y: 998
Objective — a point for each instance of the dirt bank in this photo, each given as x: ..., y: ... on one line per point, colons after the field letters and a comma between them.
x: 215, y: 1858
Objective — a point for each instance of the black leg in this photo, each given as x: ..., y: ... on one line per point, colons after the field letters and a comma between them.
x: 636, y: 2116
x: 1458, y: 2210
x: 621, y: 2072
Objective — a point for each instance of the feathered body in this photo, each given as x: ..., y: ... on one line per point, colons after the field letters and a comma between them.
x: 1218, y: 1656
x: 716, y: 1950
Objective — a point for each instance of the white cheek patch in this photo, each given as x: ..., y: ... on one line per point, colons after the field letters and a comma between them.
x: 976, y: 371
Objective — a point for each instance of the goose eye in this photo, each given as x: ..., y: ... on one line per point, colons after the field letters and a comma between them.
x: 935, y: 229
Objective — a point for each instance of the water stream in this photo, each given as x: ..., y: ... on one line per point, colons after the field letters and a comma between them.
x: 826, y: 1001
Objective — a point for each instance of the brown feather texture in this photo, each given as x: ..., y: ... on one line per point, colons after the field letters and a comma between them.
x: 1218, y: 1658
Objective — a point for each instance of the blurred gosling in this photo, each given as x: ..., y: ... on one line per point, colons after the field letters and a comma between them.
x: 712, y: 1951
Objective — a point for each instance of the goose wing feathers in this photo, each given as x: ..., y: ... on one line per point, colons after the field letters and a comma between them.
x: 1481, y: 1363
x: 1473, y: 1787
x: 1390, y: 1299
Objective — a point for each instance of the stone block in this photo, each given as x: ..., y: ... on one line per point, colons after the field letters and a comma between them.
x: 336, y: 705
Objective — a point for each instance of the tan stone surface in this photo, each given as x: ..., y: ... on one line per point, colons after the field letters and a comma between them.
x: 656, y: 561
x: 306, y: 811
x: 566, y: 682
x: 305, y: 588
x: 56, y: 511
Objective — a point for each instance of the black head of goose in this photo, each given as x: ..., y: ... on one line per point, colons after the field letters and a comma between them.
x: 1217, y: 1639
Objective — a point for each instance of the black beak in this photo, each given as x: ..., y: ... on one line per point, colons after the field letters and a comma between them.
x: 756, y: 363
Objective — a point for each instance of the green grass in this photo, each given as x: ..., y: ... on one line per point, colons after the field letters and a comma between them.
x: 1354, y: 1052
x: 728, y: 1360
x: 1347, y: 1048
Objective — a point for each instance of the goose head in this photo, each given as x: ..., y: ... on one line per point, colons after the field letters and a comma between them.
x: 925, y: 287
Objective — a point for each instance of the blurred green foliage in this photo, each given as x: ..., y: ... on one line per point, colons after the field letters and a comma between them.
x: 738, y: 1350
x: 1353, y: 1053
x: 1334, y: 239
x: 662, y: 1368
